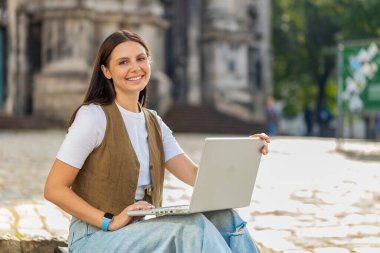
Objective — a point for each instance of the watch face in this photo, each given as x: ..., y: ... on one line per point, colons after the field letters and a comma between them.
x: 108, y: 216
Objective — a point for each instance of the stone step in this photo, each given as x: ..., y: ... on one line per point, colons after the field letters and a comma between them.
x: 206, y: 119
x: 27, y: 122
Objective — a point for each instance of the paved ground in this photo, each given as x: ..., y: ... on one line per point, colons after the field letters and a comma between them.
x: 309, y: 198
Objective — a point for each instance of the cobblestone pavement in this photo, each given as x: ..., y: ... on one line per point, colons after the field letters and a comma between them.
x: 308, y: 198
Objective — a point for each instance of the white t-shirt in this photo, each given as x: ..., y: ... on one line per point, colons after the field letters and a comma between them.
x: 88, y: 130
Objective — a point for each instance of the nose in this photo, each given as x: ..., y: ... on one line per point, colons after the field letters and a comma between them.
x: 135, y: 66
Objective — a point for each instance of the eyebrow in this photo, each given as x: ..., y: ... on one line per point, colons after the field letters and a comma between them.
x: 123, y: 58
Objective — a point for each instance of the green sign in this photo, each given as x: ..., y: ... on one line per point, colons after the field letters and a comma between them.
x: 359, y: 76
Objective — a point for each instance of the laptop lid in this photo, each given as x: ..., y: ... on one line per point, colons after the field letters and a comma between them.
x: 227, y: 173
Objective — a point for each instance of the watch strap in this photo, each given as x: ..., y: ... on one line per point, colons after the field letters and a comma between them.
x: 107, y: 218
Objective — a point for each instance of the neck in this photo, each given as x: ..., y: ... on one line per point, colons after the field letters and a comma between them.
x: 129, y: 103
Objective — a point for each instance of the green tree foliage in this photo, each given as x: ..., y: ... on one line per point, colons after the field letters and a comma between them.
x: 305, y: 38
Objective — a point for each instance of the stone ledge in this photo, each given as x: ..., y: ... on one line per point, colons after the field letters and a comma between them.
x: 12, y: 244
x: 61, y: 250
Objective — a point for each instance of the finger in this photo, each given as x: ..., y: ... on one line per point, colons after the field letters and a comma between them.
x: 149, y: 206
x: 140, y: 203
x: 137, y: 207
x: 264, y: 149
x: 262, y: 136
x: 265, y: 137
x: 143, y: 207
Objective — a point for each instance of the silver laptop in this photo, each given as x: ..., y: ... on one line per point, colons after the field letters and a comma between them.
x: 225, y: 179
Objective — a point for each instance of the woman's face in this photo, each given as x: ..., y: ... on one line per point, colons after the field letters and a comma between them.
x: 129, y: 68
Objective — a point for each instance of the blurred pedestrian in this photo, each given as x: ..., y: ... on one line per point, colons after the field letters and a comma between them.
x: 324, y: 117
x: 271, y: 117
x: 309, y: 119
x: 377, y: 128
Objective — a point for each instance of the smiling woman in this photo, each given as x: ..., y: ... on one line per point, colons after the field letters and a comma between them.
x: 129, y: 70
x: 113, y: 161
x: 123, y: 56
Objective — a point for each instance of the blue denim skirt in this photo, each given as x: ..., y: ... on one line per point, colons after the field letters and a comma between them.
x: 217, y: 231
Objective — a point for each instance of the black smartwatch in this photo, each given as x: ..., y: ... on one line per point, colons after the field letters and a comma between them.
x: 107, y: 218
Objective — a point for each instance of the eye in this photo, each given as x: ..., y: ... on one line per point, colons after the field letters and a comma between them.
x: 123, y: 62
x: 141, y: 58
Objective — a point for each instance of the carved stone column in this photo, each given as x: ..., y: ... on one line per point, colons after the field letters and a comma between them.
x: 67, y: 54
x: 225, y: 41
x: 23, y: 86
x: 10, y: 102
x: 194, y: 95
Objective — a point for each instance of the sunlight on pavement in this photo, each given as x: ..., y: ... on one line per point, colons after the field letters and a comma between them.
x: 308, y: 197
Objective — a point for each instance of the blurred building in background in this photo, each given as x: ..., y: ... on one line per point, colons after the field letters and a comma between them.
x: 211, y: 56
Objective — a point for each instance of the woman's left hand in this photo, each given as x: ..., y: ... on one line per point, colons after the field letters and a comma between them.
x: 264, y: 150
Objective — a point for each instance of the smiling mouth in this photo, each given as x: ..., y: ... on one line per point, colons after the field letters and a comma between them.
x: 134, y: 78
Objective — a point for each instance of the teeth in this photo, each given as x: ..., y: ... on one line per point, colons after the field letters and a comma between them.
x: 134, y: 78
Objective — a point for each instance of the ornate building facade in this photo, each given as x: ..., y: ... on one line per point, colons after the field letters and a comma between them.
x: 204, y: 52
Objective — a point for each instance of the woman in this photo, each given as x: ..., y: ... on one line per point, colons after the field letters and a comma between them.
x: 112, y: 161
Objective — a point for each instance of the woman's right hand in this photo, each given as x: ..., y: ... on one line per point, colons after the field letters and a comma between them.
x: 122, y: 219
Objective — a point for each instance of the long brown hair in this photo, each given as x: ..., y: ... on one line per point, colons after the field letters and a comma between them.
x: 102, y: 90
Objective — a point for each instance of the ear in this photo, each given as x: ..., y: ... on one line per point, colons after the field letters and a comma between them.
x: 106, y: 72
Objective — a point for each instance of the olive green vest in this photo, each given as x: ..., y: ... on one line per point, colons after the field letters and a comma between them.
x: 108, y: 178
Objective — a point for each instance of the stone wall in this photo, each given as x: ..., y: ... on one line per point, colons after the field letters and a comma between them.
x: 218, y: 52
x: 58, y: 96
x: 55, y: 44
